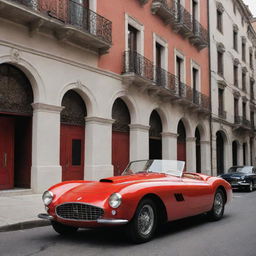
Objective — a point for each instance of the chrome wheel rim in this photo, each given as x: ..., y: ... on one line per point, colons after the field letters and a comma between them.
x: 146, y: 220
x: 218, y: 204
x: 251, y: 186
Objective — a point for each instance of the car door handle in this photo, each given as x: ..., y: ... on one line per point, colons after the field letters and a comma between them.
x: 5, y: 159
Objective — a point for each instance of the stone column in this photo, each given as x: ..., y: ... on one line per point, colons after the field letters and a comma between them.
x: 98, y: 148
x: 206, y: 157
x: 214, y: 156
x: 46, y: 169
x: 169, y: 145
x: 191, y: 154
x: 240, y: 159
x: 139, y: 142
x: 227, y: 156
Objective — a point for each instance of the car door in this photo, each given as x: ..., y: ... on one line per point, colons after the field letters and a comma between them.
x: 254, y: 176
x: 198, y: 193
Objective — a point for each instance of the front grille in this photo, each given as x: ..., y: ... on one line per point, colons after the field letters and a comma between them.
x: 79, y: 211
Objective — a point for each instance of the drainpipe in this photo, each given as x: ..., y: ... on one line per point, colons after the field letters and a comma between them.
x: 210, y: 85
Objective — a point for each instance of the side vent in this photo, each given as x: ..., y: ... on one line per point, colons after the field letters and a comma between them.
x: 179, y: 197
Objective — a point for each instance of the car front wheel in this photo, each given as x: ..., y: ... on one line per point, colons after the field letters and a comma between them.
x: 250, y: 187
x: 218, y: 207
x: 142, y: 227
x: 63, y: 229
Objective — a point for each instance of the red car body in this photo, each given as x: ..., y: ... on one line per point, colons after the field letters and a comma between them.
x: 179, y: 197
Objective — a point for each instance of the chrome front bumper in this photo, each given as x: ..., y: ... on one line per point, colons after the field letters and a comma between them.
x: 46, y: 216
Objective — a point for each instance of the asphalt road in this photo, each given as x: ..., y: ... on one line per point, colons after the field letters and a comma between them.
x: 234, y: 235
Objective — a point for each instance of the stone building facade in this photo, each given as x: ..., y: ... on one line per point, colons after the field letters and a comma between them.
x: 85, y: 88
x: 233, y: 52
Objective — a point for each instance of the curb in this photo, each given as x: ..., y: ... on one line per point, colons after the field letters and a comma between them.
x: 25, y: 225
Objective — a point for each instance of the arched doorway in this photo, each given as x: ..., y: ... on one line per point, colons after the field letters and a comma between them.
x: 198, y: 151
x: 72, y: 136
x: 16, y: 112
x: 155, y: 137
x: 235, y: 152
x: 120, y: 136
x: 181, y: 142
x: 220, y: 151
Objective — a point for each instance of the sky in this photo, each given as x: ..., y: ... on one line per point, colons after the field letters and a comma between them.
x: 252, y: 6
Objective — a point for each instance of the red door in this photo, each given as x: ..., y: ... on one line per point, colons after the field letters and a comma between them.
x: 6, y: 153
x: 72, y: 152
x: 181, y: 152
x: 120, y: 151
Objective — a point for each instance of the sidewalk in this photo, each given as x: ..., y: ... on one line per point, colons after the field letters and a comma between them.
x: 19, y: 210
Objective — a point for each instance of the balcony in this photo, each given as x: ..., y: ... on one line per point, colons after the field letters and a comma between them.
x: 140, y: 72
x: 137, y: 69
x: 222, y: 114
x: 181, y: 20
x: 161, y: 8
x: 242, y: 124
x: 200, y: 36
x: 67, y: 20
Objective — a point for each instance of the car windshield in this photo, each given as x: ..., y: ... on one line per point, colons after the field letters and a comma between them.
x: 171, y: 167
x: 242, y: 169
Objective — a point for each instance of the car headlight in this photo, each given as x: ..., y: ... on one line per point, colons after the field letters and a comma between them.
x: 47, y: 197
x: 242, y: 177
x: 115, y: 200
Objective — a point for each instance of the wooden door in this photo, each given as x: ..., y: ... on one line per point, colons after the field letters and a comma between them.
x: 72, y: 152
x: 6, y: 153
x: 120, y: 151
x: 181, y: 152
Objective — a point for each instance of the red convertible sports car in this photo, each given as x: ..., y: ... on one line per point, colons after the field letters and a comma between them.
x: 147, y: 194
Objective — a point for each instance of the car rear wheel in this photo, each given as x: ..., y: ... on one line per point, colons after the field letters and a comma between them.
x: 142, y: 227
x: 250, y: 187
x: 218, y: 207
x: 63, y: 229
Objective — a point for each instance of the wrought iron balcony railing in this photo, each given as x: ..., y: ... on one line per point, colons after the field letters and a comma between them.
x: 182, y: 21
x: 139, y: 65
x: 157, y: 78
x: 242, y: 122
x: 72, y: 12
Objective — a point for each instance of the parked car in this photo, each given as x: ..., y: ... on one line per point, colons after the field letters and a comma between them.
x: 147, y: 194
x: 241, y: 177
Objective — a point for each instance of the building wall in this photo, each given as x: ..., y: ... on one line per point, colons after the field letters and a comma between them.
x: 230, y: 18
x: 54, y: 67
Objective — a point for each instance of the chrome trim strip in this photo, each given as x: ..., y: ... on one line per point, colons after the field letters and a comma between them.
x: 45, y: 216
x: 112, y: 221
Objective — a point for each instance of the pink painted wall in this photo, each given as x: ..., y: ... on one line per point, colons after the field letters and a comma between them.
x: 115, y: 10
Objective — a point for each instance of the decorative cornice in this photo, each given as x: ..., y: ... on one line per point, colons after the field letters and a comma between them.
x: 244, y: 70
x: 236, y: 94
x: 235, y: 28
x: 169, y: 134
x: 46, y: 107
x: 244, y: 99
x: 139, y: 127
x: 243, y: 39
x: 220, y: 7
x: 191, y: 139
x: 236, y: 62
x: 220, y: 47
x: 222, y: 84
x: 99, y: 120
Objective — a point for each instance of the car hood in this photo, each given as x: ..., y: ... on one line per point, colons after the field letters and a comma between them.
x: 233, y: 175
x: 97, y: 192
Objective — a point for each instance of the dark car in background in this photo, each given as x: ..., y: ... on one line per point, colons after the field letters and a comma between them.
x: 241, y: 177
